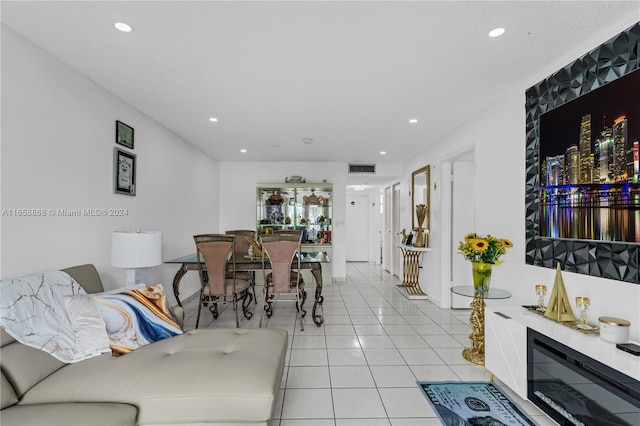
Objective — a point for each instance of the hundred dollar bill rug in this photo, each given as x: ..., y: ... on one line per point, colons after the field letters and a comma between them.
x: 474, y: 404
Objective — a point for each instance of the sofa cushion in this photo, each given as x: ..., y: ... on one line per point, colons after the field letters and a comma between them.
x: 201, y: 375
x: 95, y: 414
x: 25, y: 366
x: 5, y: 338
x: 136, y: 316
x: 87, y: 276
x: 7, y: 394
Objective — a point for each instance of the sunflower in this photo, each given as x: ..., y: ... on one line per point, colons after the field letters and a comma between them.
x: 483, y: 248
x: 480, y: 245
x: 470, y: 236
x: 506, y: 243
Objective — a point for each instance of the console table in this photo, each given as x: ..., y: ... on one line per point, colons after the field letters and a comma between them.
x: 410, y: 286
x: 475, y: 353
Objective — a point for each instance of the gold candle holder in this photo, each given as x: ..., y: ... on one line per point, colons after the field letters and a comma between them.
x: 541, y: 291
x: 582, y: 303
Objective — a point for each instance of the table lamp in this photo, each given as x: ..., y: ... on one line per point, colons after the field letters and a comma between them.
x: 135, y: 251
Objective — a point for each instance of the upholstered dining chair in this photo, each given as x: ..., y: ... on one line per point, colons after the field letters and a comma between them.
x: 283, y: 253
x: 213, y: 252
x: 288, y: 232
x: 241, y: 249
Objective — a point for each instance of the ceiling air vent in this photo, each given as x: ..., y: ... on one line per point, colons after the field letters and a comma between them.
x: 362, y: 168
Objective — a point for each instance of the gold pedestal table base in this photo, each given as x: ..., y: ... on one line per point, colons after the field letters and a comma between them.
x: 475, y: 353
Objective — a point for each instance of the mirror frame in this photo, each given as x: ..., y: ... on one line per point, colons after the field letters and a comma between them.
x: 414, y: 175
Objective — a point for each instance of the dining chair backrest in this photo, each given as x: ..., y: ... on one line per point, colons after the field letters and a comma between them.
x: 288, y: 232
x: 292, y: 232
x: 215, y: 250
x: 241, y: 247
x: 281, y: 250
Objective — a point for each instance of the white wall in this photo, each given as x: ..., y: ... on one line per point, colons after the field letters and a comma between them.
x: 498, y: 137
x: 58, y: 131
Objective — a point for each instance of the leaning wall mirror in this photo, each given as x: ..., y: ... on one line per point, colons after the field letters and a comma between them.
x: 420, y: 195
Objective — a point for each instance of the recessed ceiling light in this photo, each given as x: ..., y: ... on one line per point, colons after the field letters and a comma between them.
x: 496, y: 32
x: 413, y: 120
x: 213, y: 120
x: 125, y: 28
x: 383, y: 152
x: 358, y: 188
x: 307, y: 140
x: 243, y: 151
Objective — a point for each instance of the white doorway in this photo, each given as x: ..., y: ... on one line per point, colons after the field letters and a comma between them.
x: 357, y: 228
x: 388, y: 237
x: 459, y: 210
x: 396, y: 238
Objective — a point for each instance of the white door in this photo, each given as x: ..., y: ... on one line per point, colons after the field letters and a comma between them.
x: 463, y: 221
x: 357, y: 228
x: 397, y: 255
x: 388, y: 237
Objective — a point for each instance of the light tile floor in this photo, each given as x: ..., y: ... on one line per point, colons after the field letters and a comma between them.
x: 361, y: 366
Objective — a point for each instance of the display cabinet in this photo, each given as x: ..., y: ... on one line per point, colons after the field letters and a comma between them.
x: 306, y: 207
x: 301, y: 206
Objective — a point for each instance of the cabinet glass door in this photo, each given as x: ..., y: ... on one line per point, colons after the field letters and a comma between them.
x: 315, y: 210
x: 303, y: 207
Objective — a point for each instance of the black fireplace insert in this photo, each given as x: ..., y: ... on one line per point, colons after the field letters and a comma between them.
x: 576, y: 390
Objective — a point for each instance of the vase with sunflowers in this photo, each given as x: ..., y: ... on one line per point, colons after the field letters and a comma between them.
x: 483, y: 251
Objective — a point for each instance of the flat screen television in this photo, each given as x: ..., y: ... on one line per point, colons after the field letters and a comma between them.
x: 589, y: 150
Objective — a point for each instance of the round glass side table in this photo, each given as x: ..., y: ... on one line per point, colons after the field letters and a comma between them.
x: 475, y: 353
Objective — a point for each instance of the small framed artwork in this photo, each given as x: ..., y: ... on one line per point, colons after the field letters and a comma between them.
x: 124, y: 172
x: 124, y: 134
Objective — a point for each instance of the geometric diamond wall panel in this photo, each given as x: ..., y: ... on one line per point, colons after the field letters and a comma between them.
x: 609, y: 61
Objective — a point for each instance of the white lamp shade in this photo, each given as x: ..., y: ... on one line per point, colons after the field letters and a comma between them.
x: 136, y: 249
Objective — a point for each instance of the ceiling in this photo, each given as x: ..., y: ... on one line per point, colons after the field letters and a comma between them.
x: 346, y: 74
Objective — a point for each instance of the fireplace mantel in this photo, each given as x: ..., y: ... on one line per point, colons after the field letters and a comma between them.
x: 506, y: 345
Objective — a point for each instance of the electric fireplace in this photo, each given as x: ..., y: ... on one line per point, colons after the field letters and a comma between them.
x: 575, y: 390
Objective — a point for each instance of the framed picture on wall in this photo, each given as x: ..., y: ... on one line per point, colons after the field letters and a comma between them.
x: 124, y: 172
x: 591, y: 184
x: 124, y: 134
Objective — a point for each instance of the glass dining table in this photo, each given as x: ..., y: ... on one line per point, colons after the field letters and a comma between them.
x: 248, y: 264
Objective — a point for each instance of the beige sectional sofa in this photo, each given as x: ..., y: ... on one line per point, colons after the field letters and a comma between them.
x: 206, y: 376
